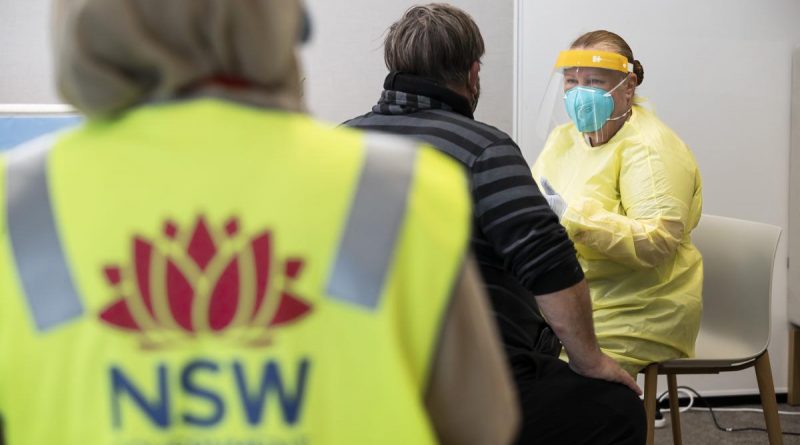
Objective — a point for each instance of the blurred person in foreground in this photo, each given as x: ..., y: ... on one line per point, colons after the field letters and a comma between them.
x: 166, y: 276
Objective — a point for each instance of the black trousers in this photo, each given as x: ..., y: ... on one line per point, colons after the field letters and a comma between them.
x: 561, y: 407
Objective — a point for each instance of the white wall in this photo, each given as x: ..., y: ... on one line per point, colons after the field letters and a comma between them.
x: 344, y: 61
x: 344, y: 67
x: 25, y: 65
x: 719, y: 73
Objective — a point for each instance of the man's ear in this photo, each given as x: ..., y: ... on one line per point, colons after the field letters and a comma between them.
x: 472, y: 78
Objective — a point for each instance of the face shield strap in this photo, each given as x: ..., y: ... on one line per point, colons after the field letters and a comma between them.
x: 593, y: 59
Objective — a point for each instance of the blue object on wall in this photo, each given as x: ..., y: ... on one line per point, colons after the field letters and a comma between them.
x: 16, y: 129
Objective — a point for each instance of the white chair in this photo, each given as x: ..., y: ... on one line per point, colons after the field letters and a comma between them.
x: 738, y: 259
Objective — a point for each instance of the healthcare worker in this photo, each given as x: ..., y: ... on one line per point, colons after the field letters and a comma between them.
x: 628, y: 191
x: 202, y: 263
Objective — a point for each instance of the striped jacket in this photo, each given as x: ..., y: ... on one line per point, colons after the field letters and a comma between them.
x: 520, y: 245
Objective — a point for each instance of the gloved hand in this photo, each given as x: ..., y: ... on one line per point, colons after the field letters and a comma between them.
x: 554, y: 200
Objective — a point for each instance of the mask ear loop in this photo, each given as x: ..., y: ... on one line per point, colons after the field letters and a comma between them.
x: 620, y: 116
x: 608, y: 93
x: 625, y: 114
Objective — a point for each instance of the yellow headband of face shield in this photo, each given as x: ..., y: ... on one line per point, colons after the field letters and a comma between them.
x: 589, y: 58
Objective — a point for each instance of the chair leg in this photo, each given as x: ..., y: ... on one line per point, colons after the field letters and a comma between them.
x: 674, y: 409
x: 767, y: 390
x: 794, y: 369
x: 650, y: 388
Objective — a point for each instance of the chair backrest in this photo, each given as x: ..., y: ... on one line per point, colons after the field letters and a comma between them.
x: 738, y: 260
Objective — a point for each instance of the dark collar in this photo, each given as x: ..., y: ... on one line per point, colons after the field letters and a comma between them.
x: 411, y: 84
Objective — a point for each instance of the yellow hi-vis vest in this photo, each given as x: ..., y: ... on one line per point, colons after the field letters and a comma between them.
x: 202, y: 273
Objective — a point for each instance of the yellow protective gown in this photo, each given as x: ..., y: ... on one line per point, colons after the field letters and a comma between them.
x: 632, y: 204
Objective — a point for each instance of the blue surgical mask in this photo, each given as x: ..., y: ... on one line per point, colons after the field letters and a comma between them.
x: 590, y: 107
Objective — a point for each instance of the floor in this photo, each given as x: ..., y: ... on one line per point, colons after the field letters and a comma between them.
x: 698, y: 427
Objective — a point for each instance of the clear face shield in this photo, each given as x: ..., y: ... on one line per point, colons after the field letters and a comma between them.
x: 582, y: 91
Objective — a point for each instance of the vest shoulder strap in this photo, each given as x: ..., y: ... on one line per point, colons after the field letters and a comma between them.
x: 374, y: 222
x: 39, y: 257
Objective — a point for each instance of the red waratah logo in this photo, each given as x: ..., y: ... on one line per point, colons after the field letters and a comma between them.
x: 204, y: 282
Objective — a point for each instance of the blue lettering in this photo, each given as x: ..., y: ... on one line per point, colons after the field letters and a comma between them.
x: 190, y: 387
x: 157, y: 408
x: 157, y: 411
x: 291, y: 405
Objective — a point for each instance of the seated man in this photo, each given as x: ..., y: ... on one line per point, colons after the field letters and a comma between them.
x: 164, y: 275
x: 433, y: 54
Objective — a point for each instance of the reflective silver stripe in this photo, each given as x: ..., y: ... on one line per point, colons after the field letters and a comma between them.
x: 40, y: 261
x: 376, y: 216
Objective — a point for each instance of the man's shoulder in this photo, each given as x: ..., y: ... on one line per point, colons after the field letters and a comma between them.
x: 459, y: 136
x: 356, y: 121
x: 490, y: 133
x: 434, y: 118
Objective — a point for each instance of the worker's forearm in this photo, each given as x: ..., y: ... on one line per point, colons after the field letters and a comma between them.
x: 569, y: 313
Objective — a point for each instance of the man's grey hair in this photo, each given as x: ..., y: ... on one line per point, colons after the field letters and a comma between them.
x: 436, y: 41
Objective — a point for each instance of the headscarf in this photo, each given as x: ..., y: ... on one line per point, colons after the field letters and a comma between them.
x: 112, y: 55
